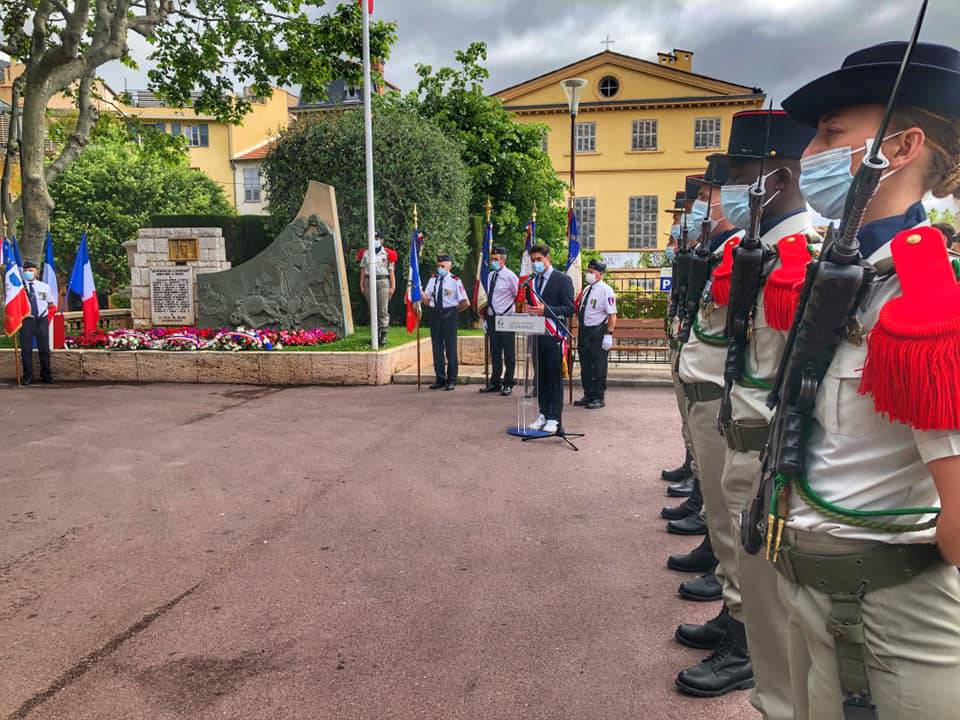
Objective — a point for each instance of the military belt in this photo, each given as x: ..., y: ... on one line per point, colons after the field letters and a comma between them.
x: 702, y: 391
x: 846, y: 579
x: 746, y: 436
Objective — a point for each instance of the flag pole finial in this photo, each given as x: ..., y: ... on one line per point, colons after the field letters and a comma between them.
x: 489, y: 208
x: 534, y: 213
x: 416, y: 216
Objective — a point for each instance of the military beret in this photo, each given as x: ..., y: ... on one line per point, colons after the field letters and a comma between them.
x: 597, y: 265
x: 498, y: 250
x: 29, y: 264
x: 444, y: 257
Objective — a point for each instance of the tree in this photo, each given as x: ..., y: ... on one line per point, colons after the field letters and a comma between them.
x: 414, y: 162
x: 505, y: 159
x: 210, y: 46
x: 113, y: 189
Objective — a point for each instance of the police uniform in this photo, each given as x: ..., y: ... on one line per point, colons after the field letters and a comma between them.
x: 596, y: 304
x: 870, y: 600
x: 386, y: 260
x: 36, y: 326
x: 443, y: 296
x: 502, y: 288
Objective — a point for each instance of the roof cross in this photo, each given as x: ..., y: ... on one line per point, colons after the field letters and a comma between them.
x: 608, y: 42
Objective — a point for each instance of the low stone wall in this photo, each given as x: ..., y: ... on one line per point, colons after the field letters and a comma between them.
x: 242, y: 368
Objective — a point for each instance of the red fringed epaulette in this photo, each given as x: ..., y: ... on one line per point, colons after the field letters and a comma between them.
x: 360, y: 254
x: 781, y: 295
x: 723, y: 275
x: 391, y: 255
x: 913, y: 354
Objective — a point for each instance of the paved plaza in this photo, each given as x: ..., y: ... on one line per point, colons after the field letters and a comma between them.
x: 173, y: 551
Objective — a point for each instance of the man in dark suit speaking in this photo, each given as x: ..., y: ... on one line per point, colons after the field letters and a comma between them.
x: 551, y: 295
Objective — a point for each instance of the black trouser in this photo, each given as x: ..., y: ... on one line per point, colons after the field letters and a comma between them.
x: 593, y: 361
x: 549, y: 377
x: 443, y: 337
x: 504, y: 353
x: 39, y: 329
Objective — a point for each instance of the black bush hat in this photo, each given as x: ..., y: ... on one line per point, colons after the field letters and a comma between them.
x: 748, y: 136
x: 931, y: 82
x: 693, y: 187
x: 718, y: 171
x: 678, y: 203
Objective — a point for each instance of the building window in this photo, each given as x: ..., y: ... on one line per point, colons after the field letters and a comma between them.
x: 585, y: 208
x: 4, y: 129
x: 586, y: 137
x: 609, y: 87
x: 644, y: 134
x: 643, y: 222
x: 251, y: 184
x: 706, y: 133
x: 642, y: 284
x: 196, y: 135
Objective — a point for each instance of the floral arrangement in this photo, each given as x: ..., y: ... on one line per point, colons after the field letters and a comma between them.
x: 193, y: 339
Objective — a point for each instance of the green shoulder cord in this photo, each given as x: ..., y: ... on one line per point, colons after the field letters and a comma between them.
x: 707, y: 338
x: 956, y: 268
x: 748, y: 380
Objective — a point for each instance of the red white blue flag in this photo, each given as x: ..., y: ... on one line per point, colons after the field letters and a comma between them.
x: 414, y: 290
x: 81, y: 283
x: 369, y: 5
x: 483, y: 271
x: 574, y: 269
x: 16, y: 303
x: 526, y: 266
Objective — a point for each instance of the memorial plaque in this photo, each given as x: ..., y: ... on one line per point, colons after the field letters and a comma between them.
x: 183, y: 249
x: 171, y: 296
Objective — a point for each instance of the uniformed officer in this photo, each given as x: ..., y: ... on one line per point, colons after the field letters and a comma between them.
x: 502, y: 288
x: 447, y: 298
x: 36, y: 326
x: 386, y: 260
x: 873, y: 599
x: 597, y: 319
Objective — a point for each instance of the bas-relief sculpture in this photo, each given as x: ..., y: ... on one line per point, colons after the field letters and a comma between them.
x: 299, y: 281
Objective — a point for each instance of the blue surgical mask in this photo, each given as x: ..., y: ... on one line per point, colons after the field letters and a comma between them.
x: 825, y: 178
x: 694, y: 225
x: 28, y: 275
x: 675, y: 231
x: 539, y: 266
x: 442, y: 272
x: 699, y: 213
x: 671, y: 253
x: 495, y: 265
x: 735, y: 201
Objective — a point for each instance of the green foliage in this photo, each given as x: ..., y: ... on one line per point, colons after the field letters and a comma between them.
x: 942, y: 216
x: 114, y: 188
x: 414, y: 162
x: 637, y: 305
x: 505, y: 159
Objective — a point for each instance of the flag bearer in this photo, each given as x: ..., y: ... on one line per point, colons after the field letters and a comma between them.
x: 386, y: 283
x: 447, y: 298
x: 597, y: 318
x: 36, y: 326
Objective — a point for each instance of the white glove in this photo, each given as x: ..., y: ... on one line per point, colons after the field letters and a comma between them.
x: 607, y: 342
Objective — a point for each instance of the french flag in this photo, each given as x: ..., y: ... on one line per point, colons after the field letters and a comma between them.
x: 16, y: 304
x: 369, y: 5
x: 81, y: 283
x: 574, y: 263
x: 483, y: 271
x: 526, y: 266
x: 414, y: 291
x: 50, y: 278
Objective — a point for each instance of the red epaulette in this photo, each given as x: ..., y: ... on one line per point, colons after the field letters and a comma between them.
x: 391, y: 255
x: 913, y: 354
x: 723, y: 275
x: 360, y: 253
x: 781, y: 296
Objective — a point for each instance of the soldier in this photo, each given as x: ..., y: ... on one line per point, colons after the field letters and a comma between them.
x: 502, y: 288
x: 597, y: 318
x: 386, y: 283
x: 447, y: 298
x: 870, y: 587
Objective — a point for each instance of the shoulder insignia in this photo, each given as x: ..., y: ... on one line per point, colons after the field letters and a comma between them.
x: 781, y: 296
x: 912, y: 368
x: 722, y: 276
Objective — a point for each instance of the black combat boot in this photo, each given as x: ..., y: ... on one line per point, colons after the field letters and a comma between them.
x: 680, y: 473
x: 705, y: 588
x: 690, y: 525
x: 699, y: 560
x: 684, y: 488
x: 727, y: 669
x: 690, y: 506
x: 706, y: 636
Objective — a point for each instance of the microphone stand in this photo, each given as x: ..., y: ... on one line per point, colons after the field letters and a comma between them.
x: 562, y: 326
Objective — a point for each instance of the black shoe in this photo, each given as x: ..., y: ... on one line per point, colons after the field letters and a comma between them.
x: 506, y: 390
x: 680, y: 473
x: 595, y: 405
x: 690, y: 525
x: 450, y: 386
x: 682, y: 489
x: 688, y: 507
x: 726, y: 670
x: 382, y: 339
x: 48, y: 381
x: 26, y: 382
x: 582, y: 402
x: 706, y: 636
x: 491, y: 388
x: 705, y: 588
x: 438, y: 384
x: 699, y: 560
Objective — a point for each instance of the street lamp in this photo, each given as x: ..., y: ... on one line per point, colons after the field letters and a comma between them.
x: 573, y: 88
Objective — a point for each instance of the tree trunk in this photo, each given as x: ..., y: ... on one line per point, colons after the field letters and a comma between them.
x: 35, y: 197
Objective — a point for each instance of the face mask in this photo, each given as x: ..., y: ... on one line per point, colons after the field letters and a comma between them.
x: 825, y: 178
x: 671, y: 253
x: 28, y: 275
x: 694, y: 226
x: 675, y: 231
x: 378, y: 247
x: 735, y: 201
x: 591, y: 278
x: 442, y: 272
x: 539, y: 267
x: 700, y: 211
x: 495, y: 265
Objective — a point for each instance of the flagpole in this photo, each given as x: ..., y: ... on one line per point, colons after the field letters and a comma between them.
x: 486, y: 331
x: 371, y: 254
x: 16, y: 357
x: 416, y: 226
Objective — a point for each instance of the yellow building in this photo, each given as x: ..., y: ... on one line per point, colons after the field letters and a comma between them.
x: 641, y: 128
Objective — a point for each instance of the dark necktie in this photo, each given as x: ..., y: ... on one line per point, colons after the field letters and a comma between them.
x: 438, y: 294
x: 34, y: 310
x: 583, y: 306
x: 540, y: 280
x: 493, y: 285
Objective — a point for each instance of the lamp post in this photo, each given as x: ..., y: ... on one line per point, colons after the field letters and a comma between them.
x: 573, y: 88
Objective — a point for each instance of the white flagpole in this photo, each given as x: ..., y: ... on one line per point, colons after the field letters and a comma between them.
x: 371, y: 256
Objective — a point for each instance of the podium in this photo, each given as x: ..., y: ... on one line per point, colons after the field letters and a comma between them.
x: 526, y: 329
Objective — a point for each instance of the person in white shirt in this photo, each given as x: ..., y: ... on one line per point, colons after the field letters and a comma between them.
x: 502, y: 287
x: 36, y: 326
x: 447, y: 298
x: 597, y: 319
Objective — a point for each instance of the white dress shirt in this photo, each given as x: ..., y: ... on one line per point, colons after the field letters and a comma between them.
x: 41, y: 291
x: 598, y: 302
x: 503, y: 299
x: 451, y: 290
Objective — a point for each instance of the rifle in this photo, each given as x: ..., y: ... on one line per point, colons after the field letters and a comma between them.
x: 701, y: 264
x: 681, y: 274
x: 833, y: 289
x: 748, y: 259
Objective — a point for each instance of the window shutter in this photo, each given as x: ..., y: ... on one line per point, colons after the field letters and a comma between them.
x: 204, y: 135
